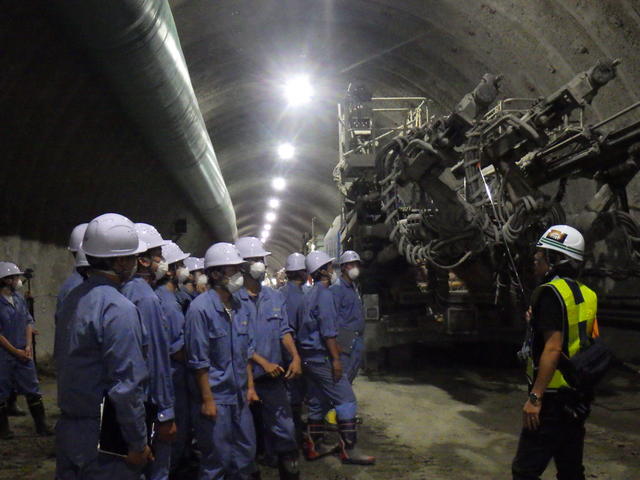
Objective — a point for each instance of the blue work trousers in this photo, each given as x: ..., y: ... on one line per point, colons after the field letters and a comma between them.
x: 325, y: 393
x: 181, y: 409
x: 278, y: 430
x: 77, y: 456
x: 17, y: 376
x: 351, y: 362
x: 159, y: 468
x: 227, y: 443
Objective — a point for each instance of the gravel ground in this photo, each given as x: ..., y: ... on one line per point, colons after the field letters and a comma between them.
x: 442, y: 422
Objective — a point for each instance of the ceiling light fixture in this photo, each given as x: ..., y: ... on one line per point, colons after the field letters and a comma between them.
x: 298, y: 90
x: 270, y: 217
x: 267, y: 227
x: 279, y: 183
x: 286, y: 151
x: 274, y: 203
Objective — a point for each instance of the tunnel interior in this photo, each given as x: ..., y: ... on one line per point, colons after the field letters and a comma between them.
x: 70, y: 151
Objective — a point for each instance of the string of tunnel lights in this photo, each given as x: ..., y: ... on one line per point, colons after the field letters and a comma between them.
x: 297, y: 91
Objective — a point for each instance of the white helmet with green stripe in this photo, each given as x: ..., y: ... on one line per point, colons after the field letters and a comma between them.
x: 563, y: 239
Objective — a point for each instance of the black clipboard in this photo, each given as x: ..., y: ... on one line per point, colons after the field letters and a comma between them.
x: 111, y: 440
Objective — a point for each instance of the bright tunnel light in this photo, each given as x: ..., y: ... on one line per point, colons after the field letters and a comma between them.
x: 279, y: 183
x: 267, y: 227
x: 298, y: 90
x: 286, y: 151
x: 274, y: 203
x: 270, y: 217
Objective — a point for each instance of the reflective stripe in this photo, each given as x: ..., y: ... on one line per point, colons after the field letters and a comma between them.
x: 580, y: 305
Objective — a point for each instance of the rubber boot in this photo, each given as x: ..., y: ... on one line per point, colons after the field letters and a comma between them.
x: 349, y: 453
x: 5, y: 433
x: 288, y: 467
x: 12, y: 407
x: 298, y: 424
x: 36, y: 407
x: 313, y: 445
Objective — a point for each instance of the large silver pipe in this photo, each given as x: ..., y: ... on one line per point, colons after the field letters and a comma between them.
x: 136, y: 43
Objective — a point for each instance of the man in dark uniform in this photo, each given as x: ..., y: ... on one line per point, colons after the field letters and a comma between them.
x: 562, y: 321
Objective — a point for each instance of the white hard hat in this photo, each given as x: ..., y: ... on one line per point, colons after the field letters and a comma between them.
x: 7, y: 269
x: 192, y: 263
x: 75, y: 239
x: 349, y: 256
x: 295, y: 262
x: 200, y: 264
x: 172, y: 253
x: 317, y: 259
x: 563, y: 239
x: 251, y: 247
x: 81, y: 259
x: 150, y: 235
x: 111, y: 235
x: 222, y: 253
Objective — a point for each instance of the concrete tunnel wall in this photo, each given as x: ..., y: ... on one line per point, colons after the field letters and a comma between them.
x: 69, y: 153
x: 68, y: 156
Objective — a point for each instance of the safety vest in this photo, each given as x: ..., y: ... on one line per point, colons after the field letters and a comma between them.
x: 580, y: 304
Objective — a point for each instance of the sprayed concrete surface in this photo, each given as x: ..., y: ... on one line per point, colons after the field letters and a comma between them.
x: 441, y: 422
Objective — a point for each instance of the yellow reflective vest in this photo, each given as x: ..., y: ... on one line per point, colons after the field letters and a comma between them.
x: 580, y: 304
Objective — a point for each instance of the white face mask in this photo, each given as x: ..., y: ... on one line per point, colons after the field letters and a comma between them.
x: 202, y: 280
x: 353, y: 273
x: 257, y: 271
x: 19, y: 284
x: 235, y: 282
x: 163, y: 268
x: 334, y: 277
x: 182, y: 274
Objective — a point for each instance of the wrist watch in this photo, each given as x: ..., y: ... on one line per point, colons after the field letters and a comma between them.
x: 534, y: 398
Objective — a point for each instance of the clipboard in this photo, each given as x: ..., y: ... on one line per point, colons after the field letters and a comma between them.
x: 111, y: 440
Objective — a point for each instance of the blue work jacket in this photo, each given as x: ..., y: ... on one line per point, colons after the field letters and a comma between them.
x: 317, y: 322
x: 348, y: 306
x: 293, y: 299
x: 184, y: 298
x: 98, y: 351
x: 156, y: 342
x: 221, y: 344
x: 270, y: 324
x: 69, y: 284
x: 173, y: 313
x: 14, y: 320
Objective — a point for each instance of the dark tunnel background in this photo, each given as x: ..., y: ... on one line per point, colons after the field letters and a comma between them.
x: 69, y: 152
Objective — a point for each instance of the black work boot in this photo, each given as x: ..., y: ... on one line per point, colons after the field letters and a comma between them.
x: 36, y: 407
x: 349, y: 453
x: 288, y: 467
x: 313, y: 445
x: 5, y: 433
x: 12, y: 407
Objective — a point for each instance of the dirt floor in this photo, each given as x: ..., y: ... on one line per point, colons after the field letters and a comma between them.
x: 444, y: 421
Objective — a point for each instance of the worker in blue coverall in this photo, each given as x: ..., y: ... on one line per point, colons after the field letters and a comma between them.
x: 157, y: 342
x: 320, y: 353
x: 98, y: 352
x: 275, y: 427
x: 187, y: 288
x: 350, y: 320
x: 17, y: 370
x: 166, y: 289
x: 219, y: 343
x: 296, y: 273
x: 75, y: 279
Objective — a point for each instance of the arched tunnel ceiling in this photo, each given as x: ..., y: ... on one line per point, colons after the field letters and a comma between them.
x: 239, y: 53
